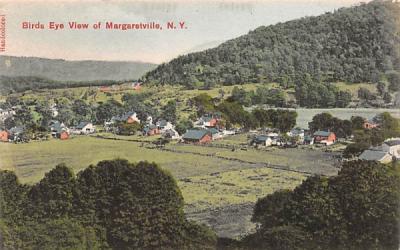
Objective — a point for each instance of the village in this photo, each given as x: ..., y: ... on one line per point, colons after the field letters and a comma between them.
x: 204, y: 130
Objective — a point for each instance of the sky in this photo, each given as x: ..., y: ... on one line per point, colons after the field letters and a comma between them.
x: 207, y: 23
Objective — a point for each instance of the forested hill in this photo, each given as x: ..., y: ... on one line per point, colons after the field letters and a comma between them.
x: 62, y: 70
x: 355, y: 44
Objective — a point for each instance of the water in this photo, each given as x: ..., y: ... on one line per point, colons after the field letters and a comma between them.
x: 305, y: 115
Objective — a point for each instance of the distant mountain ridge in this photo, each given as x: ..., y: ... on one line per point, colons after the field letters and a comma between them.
x: 63, y: 70
x: 356, y: 44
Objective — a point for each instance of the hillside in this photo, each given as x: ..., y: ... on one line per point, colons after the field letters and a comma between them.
x: 62, y: 70
x: 356, y: 44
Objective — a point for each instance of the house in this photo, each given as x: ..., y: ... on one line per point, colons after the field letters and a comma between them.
x: 207, y: 121
x: 150, y: 130
x: 4, y: 136
x: 85, y: 128
x: 298, y: 134
x: 308, y: 140
x: 324, y: 137
x: 136, y: 86
x: 129, y: 117
x: 4, y: 114
x: 164, y: 125
x: 262, y: 140
x: 370, y: 124
x: 376, y: 155
x: 215, y: 133
x: 59, y: 130
x: 392, y: 146
x: 54, y: 110
x: 104, y: 89
x: 149, y: 120
x: 197, y: 136
x: 226, y: 132
x: 171, y: 134
x: 16, y: 133
x: 275, y: 138
x: 385, y: 153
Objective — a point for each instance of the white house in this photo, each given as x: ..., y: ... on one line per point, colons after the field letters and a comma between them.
x: 84, y: 128
x: 392, y: 146
x: 129, y: 117
x: 171, y: 134
x: 54, y: 110
x: 164, y: 125
x: 385, y: 153
x: 226, y: 132
x: 4, y: 114
x: 262, y: 140
x: 299, y: 133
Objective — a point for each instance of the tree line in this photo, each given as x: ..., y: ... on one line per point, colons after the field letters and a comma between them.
x: 17, y: 84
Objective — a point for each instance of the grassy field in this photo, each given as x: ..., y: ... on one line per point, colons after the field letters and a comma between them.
x: 208, y: 183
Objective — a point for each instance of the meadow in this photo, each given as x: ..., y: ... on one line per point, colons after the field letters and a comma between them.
x: 208, y: 183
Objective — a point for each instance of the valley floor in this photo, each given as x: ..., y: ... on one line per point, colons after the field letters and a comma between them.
x: 219, y: 185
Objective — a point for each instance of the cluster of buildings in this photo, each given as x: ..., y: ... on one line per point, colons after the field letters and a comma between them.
x: 60, y: 131
x: 206, y: 129
x: 294, y: 137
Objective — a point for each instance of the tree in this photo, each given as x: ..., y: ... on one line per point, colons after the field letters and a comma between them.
x: 82, y: 110
x: 105, y: 111
x: 204, y: 104
x: 182, y: 126
x: 394, y: 80
x: 387, y: 97
x: 365, y: 94
x: 169, y: 111
x: 389, y: 125
x: 140, y: 206
x: 357, y: 122
x: 46, y: 114
x: 381, y: 88
x: 53, y: 196
x: 357, y: 209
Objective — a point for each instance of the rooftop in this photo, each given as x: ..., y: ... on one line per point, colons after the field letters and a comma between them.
x: 392, y: 143
x: 195, y: 134
x: 81, y: 125
x: 372, y: 155
x: 322, y: 133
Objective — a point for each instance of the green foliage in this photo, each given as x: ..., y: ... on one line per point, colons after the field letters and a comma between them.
x: 355, y: 44
x: 312, y: 93
x: 204, y: 104
x: 23, y: 83
x: 358, y: 209
x: 52, y: 196
x: 389, y: 125
x: 105, y: 111
x: 394, y: 80
x: 115, y: 204
x: 365, y: 94
x: 326, y: 122
x: 124, y: 128
x: 169, y: 111
x: 182, y: 126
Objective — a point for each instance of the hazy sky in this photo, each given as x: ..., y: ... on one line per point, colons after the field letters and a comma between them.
x: 208, y: 23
